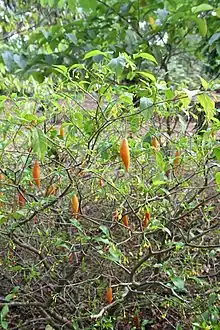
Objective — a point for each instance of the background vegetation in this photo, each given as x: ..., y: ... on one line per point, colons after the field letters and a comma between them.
x: 76, y: 77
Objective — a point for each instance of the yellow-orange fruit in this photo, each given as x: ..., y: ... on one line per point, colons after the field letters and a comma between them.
x: 62, y: 132
x: 155, y: 144
x: 177, y: 158
x: 2, y: 176
x: 51, y: 190
x: 125, y: 154
x: 75, y: 204
x: 102, y: 182
x: 125, y: 220
x: 109, y: 296
x: 21, y: 200
x: 36, y: 173
x: 146, y: 219
x: 1, y: 195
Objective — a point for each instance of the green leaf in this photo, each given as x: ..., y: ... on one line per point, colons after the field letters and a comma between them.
x: 43, y: 3
x: 146, y: 56
x: 61, y: 68
x: 159, y: 160
x: 208, y: 105
x: 38, y: 76
x: 147, y: 75
x: 3, y: 219
x: 117, y: 65
x: 4, y: 311
x: 20, y: 61
x: 104, y: 229
x: 179, y: 283
x: 88, y: 4
x: 4, y: 324
x: 94, y: 53
x: 157, y: 181
x: 146, y: 106
x: 51, y: 3
x: 214, y: 38
x: 115, y: 254
x: 76, y: 224
x: 39, y: 143
x: 217, y: 153
x: 202, y: 24
x: 204, y: 83
x: 71, y: 5
x: 202, y: 7
x: 217, y: 178
x: 217, y: 12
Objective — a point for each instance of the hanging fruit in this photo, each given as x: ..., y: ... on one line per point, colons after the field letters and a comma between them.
x: 125, y: 220
x: 109, y: 296
x: 75, y: 204
x: 62, y: 132
x: 102, y: 182
x: 155, y: 144
x: 21, y: 200
x: 36, y: 173
x: 146, y: 219
x: 1, y: 202
x: 125, y: 154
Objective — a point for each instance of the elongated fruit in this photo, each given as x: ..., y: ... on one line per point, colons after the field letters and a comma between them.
x: 146, y: 219
x: 125, y: 154
x: 36, y: 173
x: 21, y: 200
x: 62, y: 133
x: 177, y: 158
x: 1, y: 195
x: 125, y: 220
x: 102, y: 183
x: 75, y: 204
x: 2, y: 176
x: 109, y: 296
x: 155, y: 144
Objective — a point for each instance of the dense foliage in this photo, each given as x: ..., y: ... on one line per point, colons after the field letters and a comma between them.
x: 109, y: 164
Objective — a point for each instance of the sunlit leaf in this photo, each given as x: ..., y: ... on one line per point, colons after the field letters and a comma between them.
x: 201, y: 7
x: 39, y: 143
x: 147, y: 75
x: 146, y: 56
x: 94, y: 53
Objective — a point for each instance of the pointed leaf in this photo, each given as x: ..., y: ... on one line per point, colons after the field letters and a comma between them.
x: 39, y: 143
x: 94, y: 53
x: 148, y: 75
x: 117, y: 65
x: 208, y: 105
x: 4, y: 311
x: 146, y: 56
x: 202, y: 7
x: 217, y: 178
